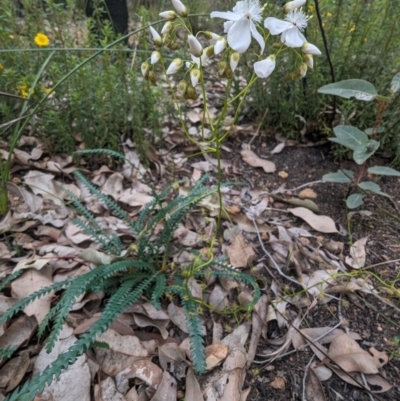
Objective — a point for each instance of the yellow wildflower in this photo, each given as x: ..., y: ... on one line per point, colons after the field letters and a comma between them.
x: 46, y: 90
x: 12, y: 37
x: 42, y: 40
x: 353, y: 28
x: 23, y: 90
x: 311, y: 8
x: 329, y: 14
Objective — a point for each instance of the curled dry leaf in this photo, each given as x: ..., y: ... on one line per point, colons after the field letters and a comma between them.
x: 14, y: 371
x: 235, y: 366
x: 215, y: 354
x: 167, y: 389
x: 192, y: 392
x: 321, y: 371
x: 347, y: 354
x: 357, y: 257
x: 253, y: 160
x: 173, y: 359
x: 314, y: 388
x: 323, y: 224
x: 240, y: 253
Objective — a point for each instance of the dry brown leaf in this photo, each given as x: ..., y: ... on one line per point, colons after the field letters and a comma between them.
x: 240, y: 253
x: 314, y: 388
x: 321, y: 371
x: 106, y: 391
x: 324, y: 334
x: 167, y: 389
x: 235, y: 365
x: 253, y: 160
x: 45, y: 185
x: 192, y: 392
x: 29, y: 282
x: 378, y: 381
x: 215, y: 354
x: 177, y: 316
x: 283, y: 174
x: 279, y: 383
x: 113, y: 186
x: 13, y: 372
x: 357, y: 254
x: 173, y: 359
x: 347, y: 354
x: 218, y: 298
x: 307, y: 193
x: 19, y: 332
x: 323, y: 224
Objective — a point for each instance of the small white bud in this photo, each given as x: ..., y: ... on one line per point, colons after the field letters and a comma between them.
x: 180, y: 8
x: 145, y: 69
x: 175, y: 66
x: 156, y: 37
x: 195, y: 76
x: 211, y: 36
x: 264, y: 68
x: 220, y: 45
x: 308, y: 48
x: 234, y: 60
x: 168, y: 15
x: 195, y: 47
x: 303, y: 69
x: 155, y: 57
x: 308, y: 59
x: 292, y: 5
x: 167, y: 28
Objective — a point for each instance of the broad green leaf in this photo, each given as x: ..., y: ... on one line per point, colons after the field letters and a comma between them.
x: 348, y: 136
x: 354, y: 200
x: 382, y: 170
x: 341, y: 176
x: 358, y: 88
x: 364, y: 152
x: 371, y: 186
x: 370, y: 131
x: 395, y: 84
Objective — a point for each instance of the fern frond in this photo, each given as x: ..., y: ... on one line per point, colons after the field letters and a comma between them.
x: 158, y: 291
x: 9, y: 278
x: 107, y: 152
x: 90, y: 232
x: 123, y: 298
x: 21, y: 304
x: 6, y: 353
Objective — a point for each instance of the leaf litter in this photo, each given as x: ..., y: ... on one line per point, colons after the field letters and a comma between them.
x: 147, y: 355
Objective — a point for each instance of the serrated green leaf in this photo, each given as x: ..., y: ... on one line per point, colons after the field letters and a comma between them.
x: 382, y: 170
x: 348, y: 136
x: 341, y: 177
x: 354, y: 200
x: 395, y: 84
x: 371, y: 186
x: 364, y: 152
x: 358, y: 88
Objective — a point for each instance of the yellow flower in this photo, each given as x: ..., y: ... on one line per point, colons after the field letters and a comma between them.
x: 47, y: 90
x: 42, y: 40
x: 23, y: 89
x: 311, y: 8
x: 329, y: 14
x: 12, y: 37
x: 353, y: 28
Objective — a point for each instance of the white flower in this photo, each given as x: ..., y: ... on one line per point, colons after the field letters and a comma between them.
x: 155, y: 57
x: 211, y: 36
x: 234, y: 60
x: 303, y: 69
x: 195, y: 47
x: 227, y: 26
x: 168, y: 15
x: 220, y: 45
x: 295, y: 22
x: 180, y: 8
x: 308, y: 48
x: 156, y: 37
x: 246, y: 14
x: 145, y: 69
x: 167, y: 28
x: 264, y: 68
x: 175, y: 66
x: 195, y: 76
x: 293, y: 5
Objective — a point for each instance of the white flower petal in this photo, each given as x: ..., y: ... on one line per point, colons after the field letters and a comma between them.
x: 277, y: 26
x: 229, y: 15
x: 227, y: 26
x: 308, y: 48
x: 264, y: 68
x: 293, y: 5
x: 293, y: 38
x: 239, y: 36
x: 257, y: 36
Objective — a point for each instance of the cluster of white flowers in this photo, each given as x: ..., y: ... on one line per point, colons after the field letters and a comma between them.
x: 242, y: 24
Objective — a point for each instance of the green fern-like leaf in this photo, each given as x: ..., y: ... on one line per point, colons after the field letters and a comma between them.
x: 9, y: 278
x: 6, y: 353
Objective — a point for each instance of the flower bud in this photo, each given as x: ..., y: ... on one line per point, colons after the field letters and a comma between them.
x: 175, y: 66
x: 195, y: 76
x: 221, y: 67
x: 167, y: 28
x: 234, y: 60
x: 180, y: 8
x: 195, y: 47
x: 228, y: 72
x: 303, y: 69
x: 308, y: 59
x: 293, y: 5
x: 145, y: 67
x: 308, y: 48
x: 209, y: 51
x: 220, y: 45
x: 174, y: 46
x: 191, y: 93
x: 167, y: 39
x: 182, y: 86
x: 211, y: 36
x: 152, y: 77
x: 155, y: 57
x: 264, y: 68
x: 156, y: 37
x: 168, y: 15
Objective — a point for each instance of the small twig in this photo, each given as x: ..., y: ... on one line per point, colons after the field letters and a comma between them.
x: 259, y: 126
x: 305, y: 377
